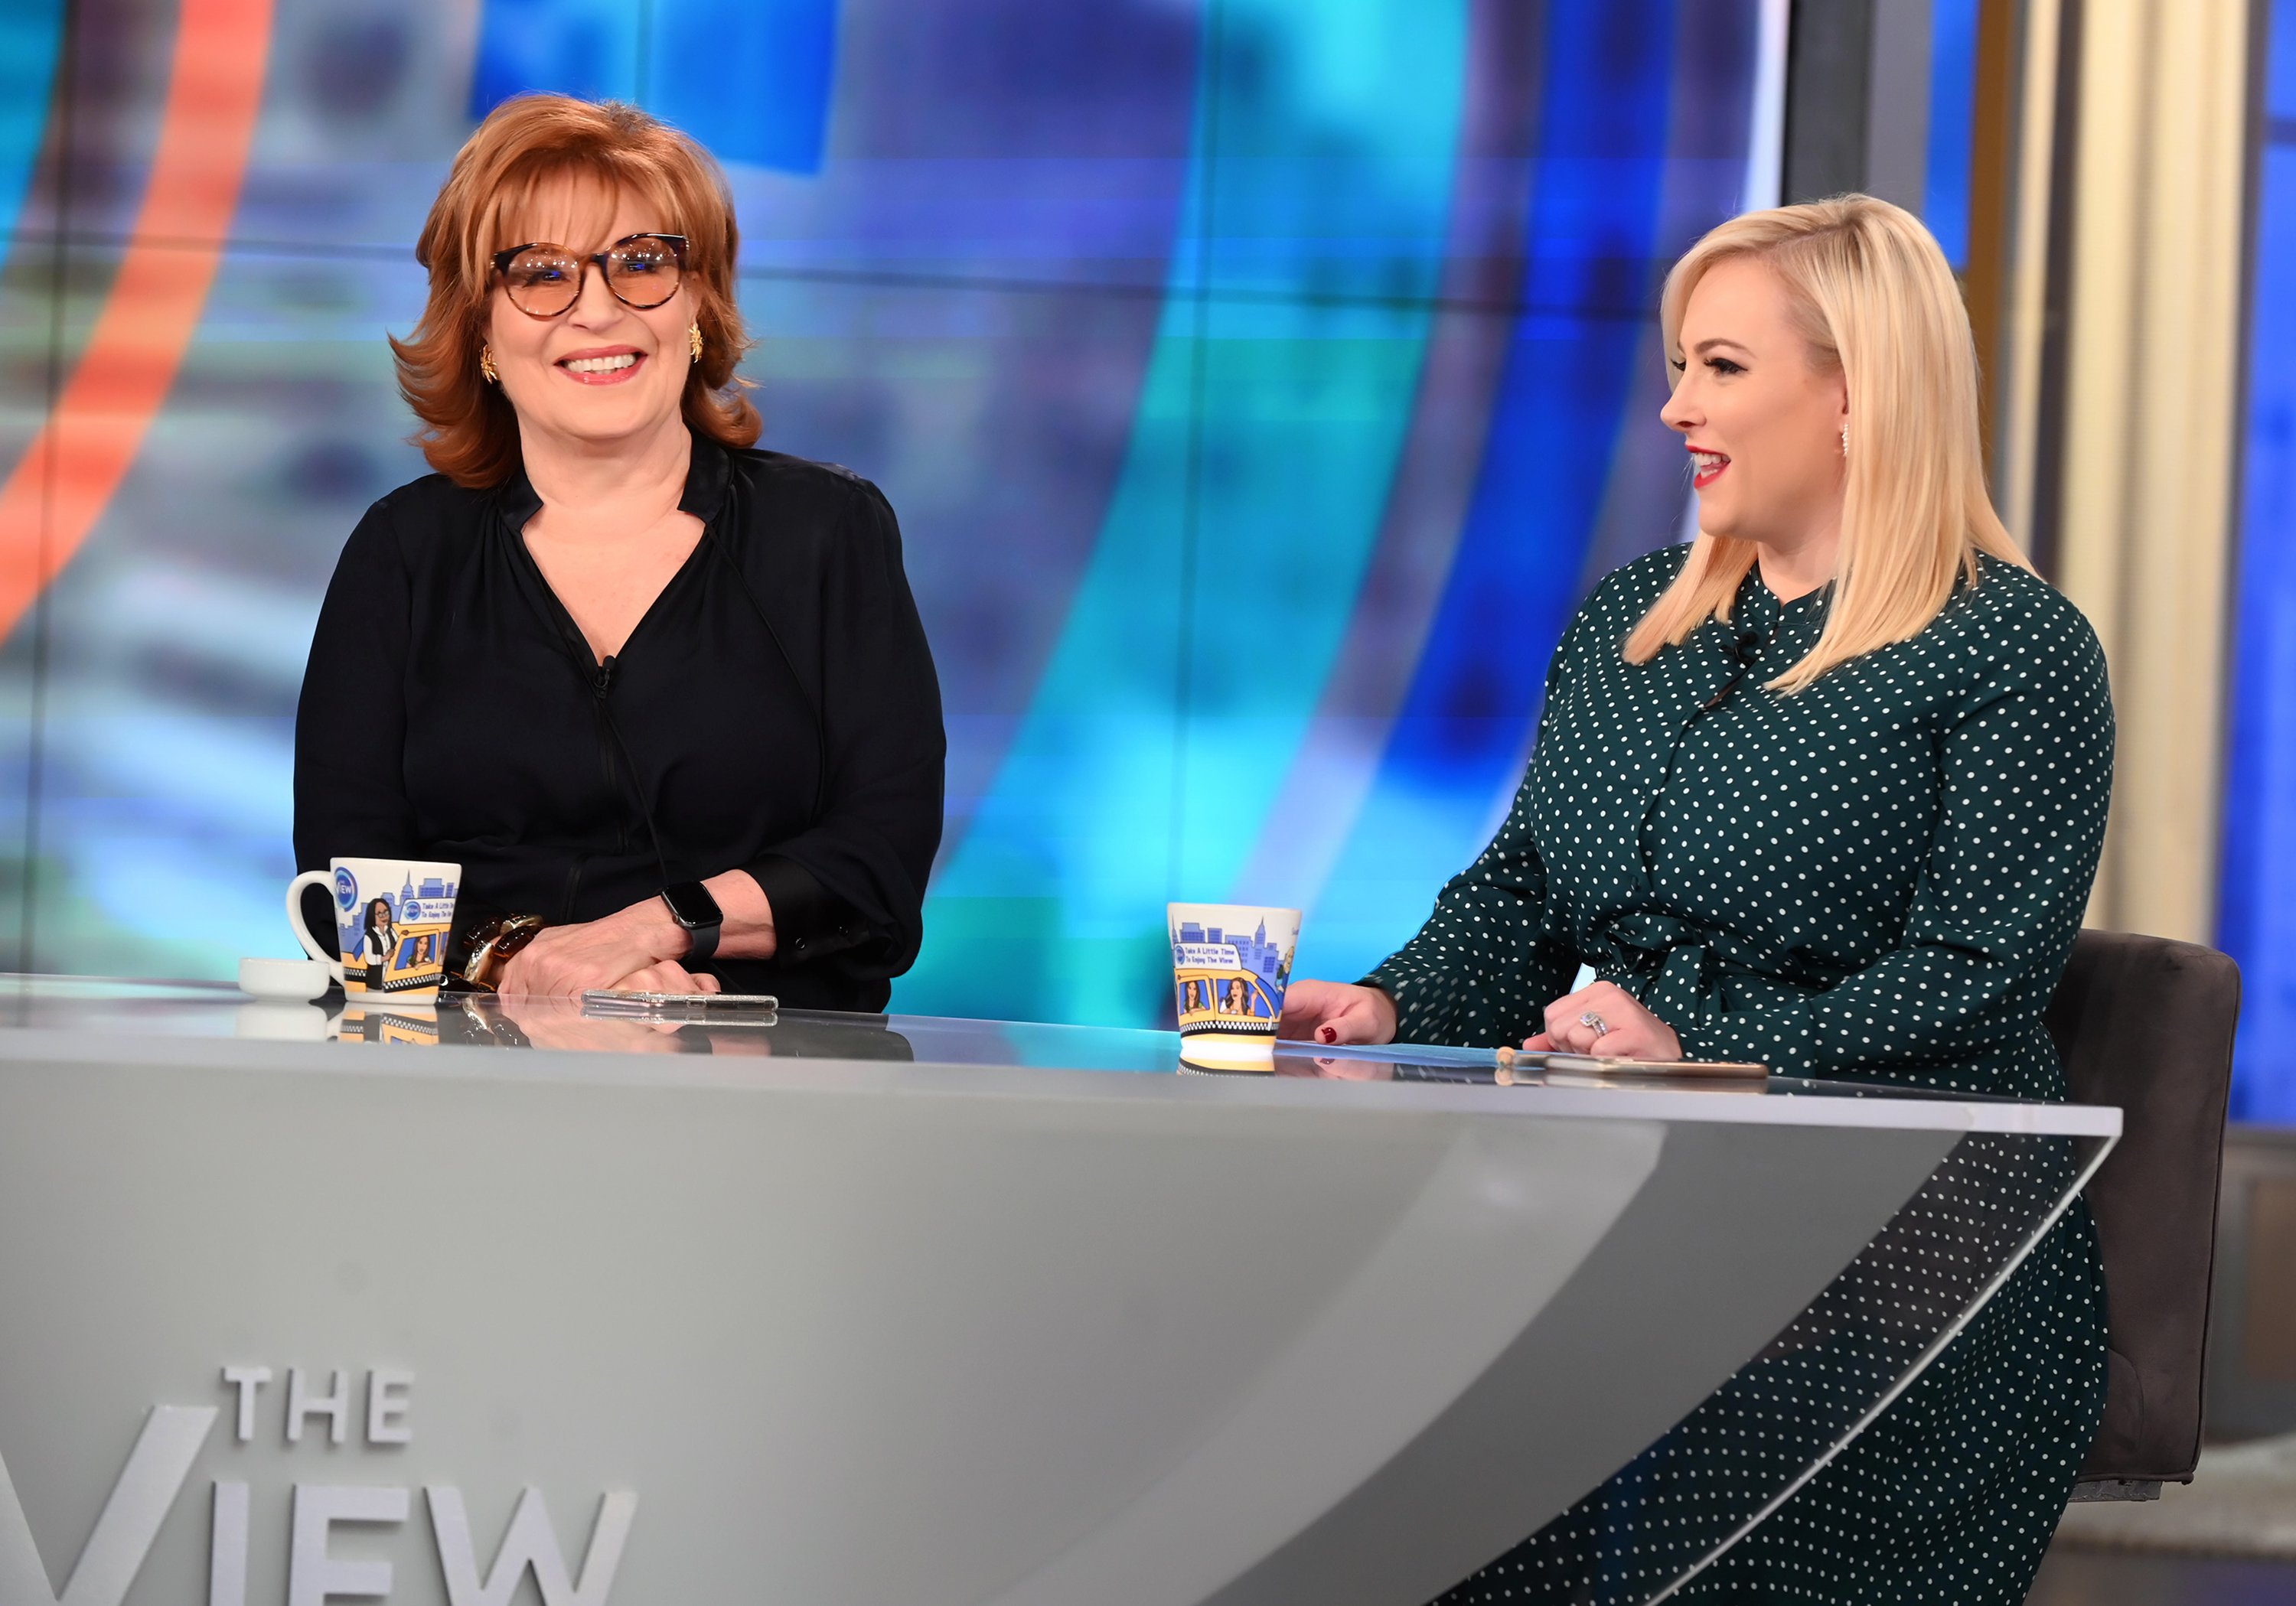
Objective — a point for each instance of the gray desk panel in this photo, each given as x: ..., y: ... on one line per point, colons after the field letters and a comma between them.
x: 961, y: 1330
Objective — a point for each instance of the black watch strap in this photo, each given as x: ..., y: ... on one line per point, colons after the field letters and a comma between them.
x: 692, y: 907
x: 704, y: 943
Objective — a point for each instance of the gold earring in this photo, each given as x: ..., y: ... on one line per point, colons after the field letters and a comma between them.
x: 487, y: 365
x: 693, y: 339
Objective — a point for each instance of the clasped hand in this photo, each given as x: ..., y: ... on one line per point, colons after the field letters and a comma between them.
x: 1633, y: 1032
x: 632, y: 950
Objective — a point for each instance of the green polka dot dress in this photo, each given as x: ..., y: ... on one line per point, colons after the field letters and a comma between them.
x: 1879, y: 877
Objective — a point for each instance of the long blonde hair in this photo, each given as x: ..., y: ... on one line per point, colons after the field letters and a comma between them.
x: 1872, y: 295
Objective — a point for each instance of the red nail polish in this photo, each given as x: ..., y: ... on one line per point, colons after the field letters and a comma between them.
x: 1329, y: 1035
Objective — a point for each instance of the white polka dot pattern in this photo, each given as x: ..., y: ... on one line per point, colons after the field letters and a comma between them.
x: 1879, y: 878
x: 1845, y: 1537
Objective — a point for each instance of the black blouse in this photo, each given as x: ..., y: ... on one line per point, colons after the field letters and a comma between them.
x: 776, y: 710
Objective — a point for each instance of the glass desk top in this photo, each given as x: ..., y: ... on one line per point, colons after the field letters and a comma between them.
x: 195, y: 1012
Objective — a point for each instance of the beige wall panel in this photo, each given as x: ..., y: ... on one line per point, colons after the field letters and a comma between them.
x: 2150, y: 428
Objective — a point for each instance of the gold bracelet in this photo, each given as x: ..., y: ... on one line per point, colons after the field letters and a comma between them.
x: 492, y: 944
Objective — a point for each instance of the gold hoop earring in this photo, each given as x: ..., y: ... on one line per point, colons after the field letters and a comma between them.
x: 487, y: 365
x: 693, y: 339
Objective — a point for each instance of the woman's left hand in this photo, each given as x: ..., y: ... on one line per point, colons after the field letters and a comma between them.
x: 1633, y: 1032
x: 567, y: 961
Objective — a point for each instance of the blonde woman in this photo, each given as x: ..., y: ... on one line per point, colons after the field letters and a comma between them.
x: 1825, y: 789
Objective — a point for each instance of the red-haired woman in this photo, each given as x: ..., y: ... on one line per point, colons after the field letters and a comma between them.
x: 664, y: 697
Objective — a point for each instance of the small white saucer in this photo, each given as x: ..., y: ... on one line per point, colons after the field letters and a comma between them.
x: 294, y: 981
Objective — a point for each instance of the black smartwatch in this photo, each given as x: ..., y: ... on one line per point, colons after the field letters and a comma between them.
x: 690, y: 905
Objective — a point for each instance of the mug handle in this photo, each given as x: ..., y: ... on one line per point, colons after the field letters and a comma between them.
x: 311, y: 878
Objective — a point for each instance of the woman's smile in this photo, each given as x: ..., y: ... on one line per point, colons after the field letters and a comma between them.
x: 1707, y: 466
x: 602, y: 364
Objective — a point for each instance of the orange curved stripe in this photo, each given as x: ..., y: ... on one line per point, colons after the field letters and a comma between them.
x: 84, y: 449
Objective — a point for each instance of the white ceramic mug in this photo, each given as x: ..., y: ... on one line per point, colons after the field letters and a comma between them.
x: 393, y: 918
x: 1231, y: 963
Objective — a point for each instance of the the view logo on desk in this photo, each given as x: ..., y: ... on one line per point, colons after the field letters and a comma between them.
x: 159, y: 1468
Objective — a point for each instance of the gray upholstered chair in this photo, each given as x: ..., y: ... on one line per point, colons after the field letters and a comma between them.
x: 2147, y: 1024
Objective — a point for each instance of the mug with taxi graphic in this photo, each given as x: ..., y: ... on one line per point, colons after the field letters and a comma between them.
x: 393, y: 918
x: 1230, y: 965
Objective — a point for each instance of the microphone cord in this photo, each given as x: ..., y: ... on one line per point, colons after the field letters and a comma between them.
x: 812, y: 708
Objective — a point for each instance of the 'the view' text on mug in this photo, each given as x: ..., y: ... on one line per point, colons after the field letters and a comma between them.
x: 392, y: 917
x: 1230, y: 965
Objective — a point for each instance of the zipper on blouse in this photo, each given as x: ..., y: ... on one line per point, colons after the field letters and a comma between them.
x: 573, y: 888
x: 601, y: 684
x: 610, y: 744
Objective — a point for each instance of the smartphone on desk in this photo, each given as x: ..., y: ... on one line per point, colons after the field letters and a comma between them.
x: 720, y: 1008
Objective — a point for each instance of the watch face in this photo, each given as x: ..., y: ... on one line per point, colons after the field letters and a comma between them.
x: 690, y: 904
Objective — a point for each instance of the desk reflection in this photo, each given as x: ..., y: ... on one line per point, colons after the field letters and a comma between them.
x: 1341, y: 1071
x: 1525, y: 1072
x: 489, y: 1020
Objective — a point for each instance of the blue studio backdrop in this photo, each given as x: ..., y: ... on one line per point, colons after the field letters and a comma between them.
x: 1260, y: 383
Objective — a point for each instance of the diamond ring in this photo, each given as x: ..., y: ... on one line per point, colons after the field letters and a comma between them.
x: 1601, y: 1027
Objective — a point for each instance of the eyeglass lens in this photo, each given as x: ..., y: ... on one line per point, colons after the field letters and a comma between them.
x: 545, y: 280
